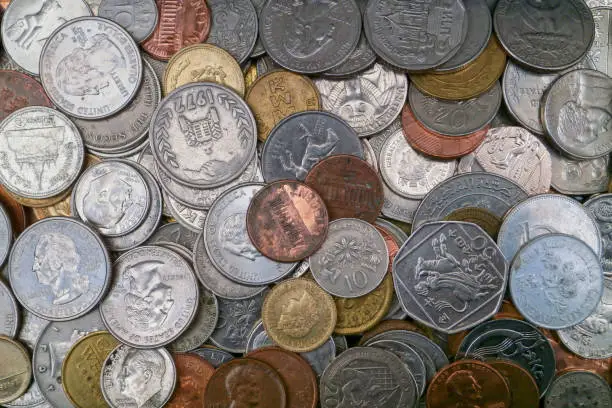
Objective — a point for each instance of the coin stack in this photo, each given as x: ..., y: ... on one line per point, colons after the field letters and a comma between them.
x: 302, y: 204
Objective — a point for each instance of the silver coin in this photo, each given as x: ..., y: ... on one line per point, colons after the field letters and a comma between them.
x: 409, y: 38
x: 138, y: 18
x: 9, y: 312
x: 558, y: 44
x: 258, y: 337
x: 51, y: 348
x: 135, y: 377
x: 175, y: 232
x: 234, y: 27
x: 310, y: 38
x: 340, y: 343
x: 455, y: 118
x: 146, y: 159
x: 159, y: 67
x: 59, y: 269
x: 92, y: 75
x: 228, y: 245
x: 409, y: 357
x: 301, y: 269
x: 352, y: 261
x: 491, y: 192
x: 408, y: 172
x: 547, y: 214
x: 599, y: 3
x: 469, y: 164
x: 599, y: 207
x: 203, y: 135
x: 214, y: 356
x: 579, y: 388
x: 368, y: 102
x: 576, y: 177
x: 188, y: 217
x: 93, y: 5
x: 301, y: 140
x: 502, y: 118
x: 51, y: 167
x: 395, y: 310
x: 7, y: 63
x: 154, y: 297
x: 131, y: 154
x: 26, y: 25
x: 202, y: 326
x: 321, y: 357
x: 179, y: 249
x: 576, y: 111
x: 258, y: 49
x: 368, y: 154
x: 6, y: 235
x: 599, y: 52
x: 265, y: 64
x: 515, y: 153
x: 398, y: 234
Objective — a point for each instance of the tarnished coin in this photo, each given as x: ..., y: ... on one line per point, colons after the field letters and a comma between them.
x: 600, y: 50
x: 576, y: 177
x: 368, y: 154
x: 134, y: 377
x: 94, y: 77
x: 18, y: 91
x: 175, y: 233
x: 579, y: 388
x: 479, y: 216
x: 598, y: 3
x: 16, y: 370
x: 599, y: 207
x: 523, y: 388
x: 258, y: 49
x: 9, y: 312
x: 234, y: 27
x: 193, y: 373
x: 138, y: 18
x: 368, y: 102
x: 6, y: 234
x: 325, y: 37
x: 353, y: 260
x: 202, y: 326
x: 214, y: 356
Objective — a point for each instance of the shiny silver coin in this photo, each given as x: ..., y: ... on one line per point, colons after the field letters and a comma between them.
x: 154, y: 297
x: 214, y: 356
x: 95, y: 76
x: 135, y: 377
x: 190, y: 218
x: 64, y: 263
x: 9, y: 312
x: 599, y: 207
x: 6, y: 234
x: 577, y: 177
x: 368, y: 102
x: 321, y: 357
x: 469, y: 164
x: 579, y: 388
x: 368, y: 154
x: 352, y: 261
x: 258, y: 337
x: 131, y: 154
x: 146, y: 159
x: 557, y: 45
x: 600, y: 50
x: 409, y: 357
x: 175, y: 232
x: 179, y: 249
x: 138, y: 18
x: 234, y: 27
x: 301, y: 269
x: 26, y: 25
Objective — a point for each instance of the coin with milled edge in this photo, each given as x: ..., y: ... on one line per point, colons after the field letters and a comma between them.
x: 234, y: 27
x: 16, y: 372
x: 20, y: 90
x: 576, y: 177
x: 9, y: 312
x: 599, y: 207
x: 138, y: 18
x: 6, y: 234
x: 579, y: 388
x: 202, y: 326
x: 214, y: 356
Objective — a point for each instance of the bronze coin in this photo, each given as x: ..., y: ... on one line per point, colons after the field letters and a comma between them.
x: 19, y: 90
x: 524, y: 390
x: 245, y: 382
x: 297, y: 374
x: 287, y: 221
x: 193, y: 373
x: 349, y: 187
x: 15, y: 211
x: 388, y: 325
x: 437, y: 145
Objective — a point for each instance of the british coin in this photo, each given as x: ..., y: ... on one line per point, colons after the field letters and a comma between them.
x: 479, y: 216
x: 214, y: 356
x: 6, y: 234
x: 409, y: 357
x: 234, y: 27
x: 599, y: 52
x: 544, y: 48
x: 16, y: 373
x: 202, y: 326
x: 325, y: 38
x: 77, y: 75
x: 137, y: 18
x: 59, y: 269
x: 9, y: 312
x: 22, y: 171
x: 142, y: 378
x: 193, y: 374
x: 286, y: 156
x: 576, y: 177
x: 15, y: 212
x: 353, y: 260
x: 368, y: 102
x: 523, y: 388
x: 579, y: 388
x: 20, y: 90
x: 27, y: 25
x: 175, y: 232
x: 598, y: 207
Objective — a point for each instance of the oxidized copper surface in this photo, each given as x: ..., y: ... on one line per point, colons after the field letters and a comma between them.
x: 193, y: 374
x: 19, y: 90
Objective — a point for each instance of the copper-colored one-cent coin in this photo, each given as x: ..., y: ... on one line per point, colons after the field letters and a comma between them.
x: 287, y: 221
x: 193, y: 373
x: 245, y: 382
x: 437, y: 145
x: 349, y: 187
x: 297, y: 374
x: 15, y: 211
x: 468, y: 383
x: 19, y: 90
x: 181, y: 23
x: 524, y: 390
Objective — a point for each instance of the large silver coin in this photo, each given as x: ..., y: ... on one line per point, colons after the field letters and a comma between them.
x: 59, y: 269
x: 213, y: 355
x: 202, y: 326
x: 42, y: 152
x: 138, y: 378
x: 576, y: 177
x: 94, y: 76
x: 26, y: 25
x: 9, y: 312
x: 599, y: 207
x: 352, y: 261
x: 579, y: 388
x: 368, y: 102
x: 153, y: 299
x: 409, y: 357
x: 138, y: 18
x: 175, y: 232
x: 600, y: 51
x: 6, y: 234
x: 234, y: 27
x: 203, y: 135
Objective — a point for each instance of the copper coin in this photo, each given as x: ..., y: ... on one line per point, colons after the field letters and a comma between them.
x: 388, y: 325
x: 524, y: 390
x: 15, y: 211
x: 287, y: 221
x: 19, y: 90
x: 468, y: 383
x: 193, y: 373
x: 297, y: 374
x: 245, y: 382
x: 181, y: 23
x: 437, y: 145
x: 349, y: 187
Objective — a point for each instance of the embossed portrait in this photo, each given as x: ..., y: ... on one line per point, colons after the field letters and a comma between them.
x: 312, y: 29
x: 318, y: 147
x: 412, y: 169
x: 107, y: 200
x: 141, y: 375
x: 234, y: 237
x: 464, y: 390
x: 56, y: 265
x: 299, y: 316
x: 243, y: 388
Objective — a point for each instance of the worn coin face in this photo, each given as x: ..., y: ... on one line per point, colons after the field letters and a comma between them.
x: 579, y: 388
x: 234, y: 27
x: 94, y: 76
x: 193, y: 374
x: 176, y: 233
x: 213, y: 355
x: 598, y: 207
x: 20, y: 90
x: 600, y: 52
x: 202, y: 326
x: 9, y: 312
x: 576, y: 177
x: 6, y: 234
x: 138, y: 18
x: 16, y: 372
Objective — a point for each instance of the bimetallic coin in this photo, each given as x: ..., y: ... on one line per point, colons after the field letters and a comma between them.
x: 9, y: 312
x: 193, y: 374
x: 213, y: 355
x: 234, y: 27
x: 523, y: 388
x: 138, y: 18
x: 576, y: 177
x: 579, y: 388
x: 479, y: 216
x: 176, y: 233
x: 20, y: 90
x: 598, y: 207
x: 6, y: 235
x: 203, y: 324
x: 15, y: 372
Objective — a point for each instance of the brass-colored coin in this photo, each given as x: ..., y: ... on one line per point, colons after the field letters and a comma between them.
x: 479, y: 216
x: 250, y: 76
x: 278, y: 94
x: 15, y: 370
x: 298, y: 315
x: 388, y: 325
x: 203, y: 63
x: 82, y: 367
x: 476, y: 78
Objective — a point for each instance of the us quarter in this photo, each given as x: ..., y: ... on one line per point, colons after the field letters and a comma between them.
x: 9, y: 312
x: 234, y: 27
x: 213, y: 355
x: 202, y: 326
x: 138, y: 18
x: 599, y: 207
x: 6, y: 234
x: 409, y: 357
x: 576, y: 177
x: 579, y: 388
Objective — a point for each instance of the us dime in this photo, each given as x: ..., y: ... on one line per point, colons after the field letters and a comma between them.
x: 9, y: 312
x: 409, y: 357
x: 202, y: 326
x: 599, y: 207
x: 94, y: 73
x: 577, y: 177
x: 6, y: 234
x: 213, y: 355
x: 600, y: 50
x: 579, y: 388
x: 234, y: 27
x: 138, y: 18
x: 175, y: 232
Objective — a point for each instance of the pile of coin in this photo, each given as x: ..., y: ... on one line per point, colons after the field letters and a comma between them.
x: 294, y: 204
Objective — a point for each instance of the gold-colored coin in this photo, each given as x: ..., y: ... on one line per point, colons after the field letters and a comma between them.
x: 82, y: 367
x: 203, y: 63
x: 475, y: 78
x: 15, y: 370
x: 298, y: 315
x: 479, y: 216
x: 278, y: 94
x: 250, y: 76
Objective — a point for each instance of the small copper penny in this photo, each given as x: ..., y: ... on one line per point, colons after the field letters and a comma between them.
x: 349, y: 187
x: 193, y: 373
x: 437, y: 145
x: 297, y: 374
x: 15, y: 211
x: 287, y: 221
x: 19, y: 90
x: 468, y: 383
x: 245, y: 382
x: 181, y: 23
x: 523, y: 388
